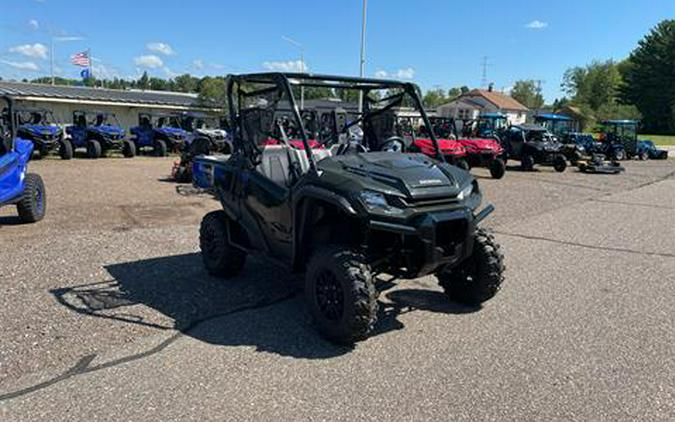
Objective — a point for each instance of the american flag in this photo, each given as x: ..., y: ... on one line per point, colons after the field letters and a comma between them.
x: 80, y: 59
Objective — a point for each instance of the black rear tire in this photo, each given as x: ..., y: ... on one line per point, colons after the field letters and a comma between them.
x: 93, y: 149
x: 33, y: 203
x: 340, y: 294
x: 497, y: 168
x: 66, y: 149
x: 129, y: 149
x: 160, y: 148
x: 220, y: 258
x: 480, y: 276
x: 526, y: 162
x: 559, y: 163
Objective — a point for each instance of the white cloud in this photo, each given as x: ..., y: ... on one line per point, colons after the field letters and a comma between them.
x: 22, y: 65
x: 34, y: 24
x: 102, y: 71
x: 31, y: 50
x: 287, y: 66
x: 149, y: 61
x: 407, y: 73
x: 160, y: 47
x: 536, y: 24
x: 68, y: 38
x: 170, y: 73
x: 198, y: 64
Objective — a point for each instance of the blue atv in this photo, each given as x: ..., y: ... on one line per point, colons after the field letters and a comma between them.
x: 39, y: 126
x: 98, y: 132
x: 159, y: 131
x: 647, y: 150
x: 17, y: 186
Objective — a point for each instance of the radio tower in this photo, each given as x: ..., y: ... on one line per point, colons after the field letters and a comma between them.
x: 484, y: 65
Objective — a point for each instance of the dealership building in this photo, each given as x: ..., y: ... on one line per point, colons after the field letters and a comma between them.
x: 126, y: 104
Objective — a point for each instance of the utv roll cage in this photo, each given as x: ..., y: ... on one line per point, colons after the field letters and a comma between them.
x: 8, y: 125
x: 100, y: 118
x: 43, y: 115
x: 253, y: 100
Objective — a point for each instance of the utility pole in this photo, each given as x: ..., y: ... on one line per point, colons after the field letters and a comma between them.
x: 362, y: 60
x: 51, y: 59
x: 302, y: 66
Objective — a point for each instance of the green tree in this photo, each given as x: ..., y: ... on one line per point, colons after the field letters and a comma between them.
x: 434, y: 97
x: 596, y: 84
x: 649, y: 78
x: 144, y: 81
x: 528, y: 93
x: 213, y: 91
x: 186, y: 83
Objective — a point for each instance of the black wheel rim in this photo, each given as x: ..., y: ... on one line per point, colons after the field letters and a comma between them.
x: 329, y: 296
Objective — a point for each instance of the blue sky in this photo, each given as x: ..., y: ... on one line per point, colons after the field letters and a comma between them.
x: 433, y: 42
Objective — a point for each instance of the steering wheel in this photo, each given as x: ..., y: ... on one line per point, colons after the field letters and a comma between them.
x: 350, y: 147
x: 393, y: 144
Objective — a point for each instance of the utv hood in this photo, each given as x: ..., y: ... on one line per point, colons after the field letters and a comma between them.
x: 412, y: 175
x: 447, y: 147
x: 172, y: 132
x: 107, y: 131
x: 481, y: 144
x: 42, y: 130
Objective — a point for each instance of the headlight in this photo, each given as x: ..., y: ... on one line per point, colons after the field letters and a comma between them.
x: 375, y: 201
x: 466, y: 192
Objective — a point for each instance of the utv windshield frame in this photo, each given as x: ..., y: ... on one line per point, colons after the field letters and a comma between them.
x: 279, y: 85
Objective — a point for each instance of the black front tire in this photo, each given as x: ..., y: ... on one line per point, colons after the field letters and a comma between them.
x: 480, y: 276
x: 559, y: 163
x: 340, y: 294
x: 619, y: 155
x: 463, y: 164
x: 129, y: 149
x: 497, y: 168
x: 33, y: 203
x: 93, y: 149
x: 220, y: 258
x: 160, y: 148
x: 66, y: 149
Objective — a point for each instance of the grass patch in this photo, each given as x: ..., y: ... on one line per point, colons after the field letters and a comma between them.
x: 659, y: 139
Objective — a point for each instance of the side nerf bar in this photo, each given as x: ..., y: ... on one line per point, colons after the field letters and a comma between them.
x: 484, y: 213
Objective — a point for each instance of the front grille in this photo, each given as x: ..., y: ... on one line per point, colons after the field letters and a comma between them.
x: 449, y: 234
x: 412, y: 203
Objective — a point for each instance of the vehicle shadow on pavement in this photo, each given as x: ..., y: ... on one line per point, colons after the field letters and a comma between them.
x: 263, y: 307
x: 10, y: 220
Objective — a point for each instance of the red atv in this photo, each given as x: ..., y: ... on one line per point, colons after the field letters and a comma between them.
x: 480, y: 152
x: 453, y: 151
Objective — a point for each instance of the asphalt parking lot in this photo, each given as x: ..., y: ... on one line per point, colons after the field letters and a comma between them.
x: 107, y: 314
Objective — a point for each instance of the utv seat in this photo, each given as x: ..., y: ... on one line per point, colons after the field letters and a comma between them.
x: 277, y: 161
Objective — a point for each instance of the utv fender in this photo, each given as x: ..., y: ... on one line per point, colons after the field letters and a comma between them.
x: 314, y: 192
x: 303, y: 205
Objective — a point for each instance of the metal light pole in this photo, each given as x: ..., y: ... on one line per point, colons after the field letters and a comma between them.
x: 362, y: 62
x: 302, y: 66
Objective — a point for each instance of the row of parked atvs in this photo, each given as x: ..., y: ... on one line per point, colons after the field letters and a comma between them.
x: 489, y: 141
x: 97, y: 133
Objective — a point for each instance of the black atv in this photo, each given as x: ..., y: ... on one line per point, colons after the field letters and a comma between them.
x: 534, y: 144
x: 342, y: 215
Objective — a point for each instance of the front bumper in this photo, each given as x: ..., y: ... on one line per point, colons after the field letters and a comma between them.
x: 437, y: 239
